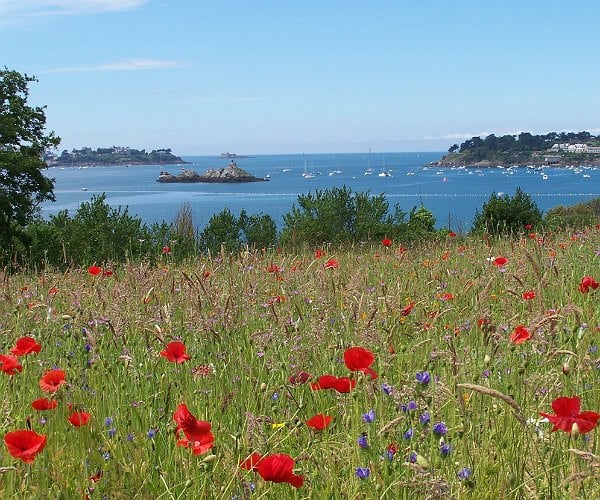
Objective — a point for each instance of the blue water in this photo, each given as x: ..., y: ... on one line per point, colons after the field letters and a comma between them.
x: 452, y: 194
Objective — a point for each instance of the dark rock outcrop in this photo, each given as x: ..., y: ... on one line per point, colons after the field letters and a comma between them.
x: 231, y: 173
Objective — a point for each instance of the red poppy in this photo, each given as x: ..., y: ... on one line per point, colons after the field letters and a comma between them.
x: 344, y: 384
x: 405, y: 311
x: 319, y: 253
x: 52, y: 380
x: 528, y: 226
x: 44, y: 404
x: 94, y: 270
x: 196, y: 432
x: 10, y: 364
x: 251, y: 462
x: 166, y: 250
x: 519, y: 335
x: 299, y: 378
x: 324, y: 382
x: 175, y: 352
x: 500, y: 261
x: 279, y: 469
x: 386, y: 242
x: 79, y: 418
x: 568, y: 418
x: 24, y: 444
x: 274, y: 268
x: 26, y: 345
x: 452, y: 234
x: 331, y: 264
x: 360, y: 359
x: 529, y: 295
x: 53, y: 291
x: 319, y: 421
x: 588, y: 282
x: 108, y: 273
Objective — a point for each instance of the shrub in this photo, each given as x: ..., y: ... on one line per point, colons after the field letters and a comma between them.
x: 577, y: 217
x: 506, y: 214
x: 97, y: 233
x: 340, y: 216
x: 259, y: 230
x: 222, y: 230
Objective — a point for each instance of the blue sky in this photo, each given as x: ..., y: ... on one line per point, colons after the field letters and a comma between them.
x: 291, y: 76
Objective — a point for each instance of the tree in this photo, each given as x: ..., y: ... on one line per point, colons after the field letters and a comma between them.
x: 22, y: 142
x: 453, y: 148
x: 506, y: 214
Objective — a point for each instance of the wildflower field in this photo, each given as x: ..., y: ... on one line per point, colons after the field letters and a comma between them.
x: 458, y: 368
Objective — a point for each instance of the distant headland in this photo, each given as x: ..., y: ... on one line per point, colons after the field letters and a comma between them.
x: 230, y: 174
x: 555, y: 148
x: 233, y: 156
x: 117, y: 155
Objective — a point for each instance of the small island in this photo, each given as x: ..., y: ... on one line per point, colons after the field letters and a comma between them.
x: 117, y: 155
x: 230, y: 174
x: 556, y: 149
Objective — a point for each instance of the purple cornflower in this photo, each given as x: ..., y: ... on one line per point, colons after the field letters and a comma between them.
x: 112, y: 432
x: 445, y: 449
x: 408, y: 434
x: 363, y: 472
x: 412, y: 457
x: 386, y: 388
x: 108, y: 421
x: 362, y: 441
x: 440, y: 429
x: 410, y: 406
x: 423, y: 378
x: 151, y: 433
x: 464, y: 473
x: 425, y: 418
x: 369, y: 417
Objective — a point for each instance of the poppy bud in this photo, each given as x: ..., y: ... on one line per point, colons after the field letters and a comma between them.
x: 263, y: 387
x: 575, y: 428
x: 487, y: 359
x: 566, y: 369
x: 210, y: 458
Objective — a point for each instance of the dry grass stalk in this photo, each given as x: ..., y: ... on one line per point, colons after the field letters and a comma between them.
x: 497, y: 394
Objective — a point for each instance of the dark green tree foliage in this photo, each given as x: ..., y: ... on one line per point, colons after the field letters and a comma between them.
x: 259, y: 230
x: 507, y: 214
x: 222, y: 230
x: 22, y: 142
x: 96, y: 234
x: 341, y: 216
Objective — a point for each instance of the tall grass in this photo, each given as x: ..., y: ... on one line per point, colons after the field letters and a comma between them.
x: 248, y: 330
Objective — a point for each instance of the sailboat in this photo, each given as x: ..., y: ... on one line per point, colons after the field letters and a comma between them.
x: 369, y: 170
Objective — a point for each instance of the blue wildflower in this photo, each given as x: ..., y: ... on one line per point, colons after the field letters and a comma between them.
x: 151, y: 433
x: 423, y: 378
x: 440, y: 429
x: 108, y: 421
x: 464, y: 473
x: 386, y: 388
x: 408, y: 434
x: 362, y: 441
x: 425, y: 418
x: 362, y: 472
x: 369, y: 417
x: 445, y: 449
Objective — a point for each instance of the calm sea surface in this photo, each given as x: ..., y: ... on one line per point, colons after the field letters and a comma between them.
x: 452, y: 194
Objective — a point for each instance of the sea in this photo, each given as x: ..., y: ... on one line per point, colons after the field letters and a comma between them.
x: 452, y: 194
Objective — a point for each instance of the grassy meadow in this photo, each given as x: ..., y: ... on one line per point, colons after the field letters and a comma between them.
x: 451, y: 408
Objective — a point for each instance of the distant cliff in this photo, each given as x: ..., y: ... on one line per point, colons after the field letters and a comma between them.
x: 230, y: 174
x: 113, y: 156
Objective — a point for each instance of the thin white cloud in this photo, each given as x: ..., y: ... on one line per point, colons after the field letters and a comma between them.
x: 124, y: 65
x: 458, y: 135
x: 35, y: 8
